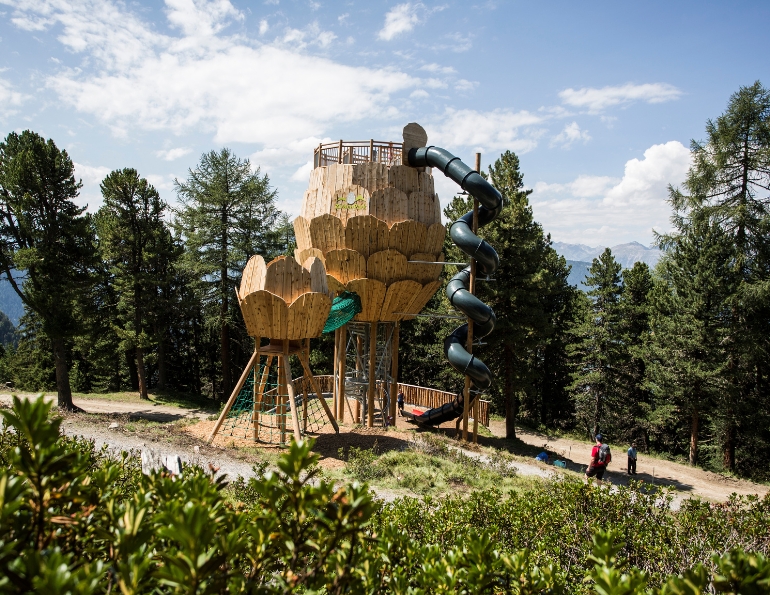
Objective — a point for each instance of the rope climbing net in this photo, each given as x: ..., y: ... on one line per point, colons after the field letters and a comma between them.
x: 262, y: 411
x: 344, y: 307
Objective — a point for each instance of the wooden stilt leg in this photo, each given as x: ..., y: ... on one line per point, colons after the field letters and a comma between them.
x: 233, y: 396
x: 314, y: 383
x: 336, y: 379
x: 359, y: 369
x: 292, y: 397
x: 394, y: 373
x: 280, y: 401
x: 372, y: 373
x: 476, y: 420
x: 341, y: 398
x: 259, y: 395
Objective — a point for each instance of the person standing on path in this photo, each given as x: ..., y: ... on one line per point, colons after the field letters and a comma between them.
x: 632, y: 459
x: 600, y: 458
x: 400, y: 402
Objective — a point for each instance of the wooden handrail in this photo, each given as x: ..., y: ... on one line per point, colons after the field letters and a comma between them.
x: 357, y: 151
x: 416, y: 396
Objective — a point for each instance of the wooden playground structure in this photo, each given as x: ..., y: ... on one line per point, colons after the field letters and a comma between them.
x: 369, y: 226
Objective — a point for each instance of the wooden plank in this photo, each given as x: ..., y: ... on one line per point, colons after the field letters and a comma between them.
x: 424, y: 273
x: 434, y: 241
x: 397, y: 299
x: 265, y: 314
x: 292, y: 393
x: 234, y: 395
x: 302, y: 255
x: 421, y: 298
x: 350, y: 201
x: 409, y: 237
x: 389, y: 204
x: 372, y: 379
x: 343, y: 359
x: 372, y: 294
x: 366, y: 234
x: 303, y: 358
x: 315, y: 267
x: 394, y: 371
x: 306, y: 316
x: 280, y: 403
x: 387, y: 266
x: 302, y: 233
x: 326, y: 233
x: 335, y: 287
x: 345, y: 265
x: 286, y: 278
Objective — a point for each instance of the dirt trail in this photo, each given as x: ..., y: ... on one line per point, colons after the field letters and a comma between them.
x: 142, y: 409
x: 685, y: 479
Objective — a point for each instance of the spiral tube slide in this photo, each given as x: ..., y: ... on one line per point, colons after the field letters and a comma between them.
x: 487, y: 261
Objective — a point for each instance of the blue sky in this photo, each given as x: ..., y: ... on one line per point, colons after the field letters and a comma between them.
x: 600, y: 99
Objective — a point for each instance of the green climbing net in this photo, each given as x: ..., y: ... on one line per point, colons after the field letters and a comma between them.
x: 344, y: 307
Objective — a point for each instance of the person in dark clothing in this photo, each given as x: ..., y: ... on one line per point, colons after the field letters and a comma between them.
x: 400, y: 402
x: 632, y: 459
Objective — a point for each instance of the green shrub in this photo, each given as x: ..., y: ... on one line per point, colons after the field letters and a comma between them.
x: 75, y: 520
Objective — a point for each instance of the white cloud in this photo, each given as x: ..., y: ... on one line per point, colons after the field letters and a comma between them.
x: 263, y: 26
x: 438, y: 69
x: 9, y: 99
x: 419, y: 94
x: 600, y: 210
x: 487, y: 131
x: 597, y: 100
x: 133, y: 77
x: 569, y: 135
x: 172, y: 154
x: 303, y: 172
x: 464, y: 85
x: 91, y: 175
x: 400, y: 19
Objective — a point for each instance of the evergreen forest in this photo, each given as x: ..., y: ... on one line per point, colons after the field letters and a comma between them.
x: 139, y: 296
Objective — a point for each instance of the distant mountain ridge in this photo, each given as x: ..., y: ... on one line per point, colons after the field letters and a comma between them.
x: 625, y: 254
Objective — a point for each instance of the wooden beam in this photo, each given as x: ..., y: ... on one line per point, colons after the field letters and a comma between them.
x: 394, y: 372
x: 305, y: 361
x: 372, y: 372
x: 280, y: 404
x: 260, y: 394
x: 233, y: 396
x: 336, y: 384
x: 292, y: 397
x: 341, y: 398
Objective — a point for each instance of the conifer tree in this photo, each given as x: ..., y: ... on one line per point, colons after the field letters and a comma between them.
x: 227, y: 215
x: 46, y: 235
x: 135, y: 245
x: 597, y: 353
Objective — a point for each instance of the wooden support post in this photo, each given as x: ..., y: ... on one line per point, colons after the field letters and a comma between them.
x: 234, y: 395
x: 336, y: 377
x: 394, y: 372
x: 372, y: 373
x: 472, y: 289
x: 359, y: 368
x: 292, y: 396
x: 305, y: 361
x: 339, y: 152
x: 260, y: 395
x: 254, y: 392
x: 305, y: 382
x: 280, y: 403
x: 371, y: 149
x: 341, y: 398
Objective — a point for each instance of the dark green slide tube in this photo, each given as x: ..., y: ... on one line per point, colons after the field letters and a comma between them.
x: 487, y: 261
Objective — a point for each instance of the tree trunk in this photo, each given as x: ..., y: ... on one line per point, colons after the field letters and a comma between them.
x: 511, y: 404
x: 694, y: 421
x: 141, y: 374
x: 162, y: 374
x: 63, y: 389
x: 132, y: 373
x: 225, y: 336
x: 729, y: 446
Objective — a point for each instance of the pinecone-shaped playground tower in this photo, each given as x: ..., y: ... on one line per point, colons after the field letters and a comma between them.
x: 369, y: 255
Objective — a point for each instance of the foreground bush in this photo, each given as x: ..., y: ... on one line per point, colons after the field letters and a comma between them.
x: 73, y: 520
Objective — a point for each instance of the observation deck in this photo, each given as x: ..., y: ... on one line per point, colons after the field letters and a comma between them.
x: 354, y: 152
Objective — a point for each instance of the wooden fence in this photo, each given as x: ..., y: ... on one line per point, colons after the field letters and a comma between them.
x: 417, y: 396
x: 357, y: 152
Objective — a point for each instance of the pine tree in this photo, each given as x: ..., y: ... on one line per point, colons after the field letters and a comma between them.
x: 135, y: 245
x: 228, y: 214
x: 728, y: 185
x: 598, y: 353
x: 46, y: 235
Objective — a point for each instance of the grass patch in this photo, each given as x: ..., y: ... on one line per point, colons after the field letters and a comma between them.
x: 429, y: 466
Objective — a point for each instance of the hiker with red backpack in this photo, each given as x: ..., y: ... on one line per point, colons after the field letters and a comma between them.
x: 600, y: 458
